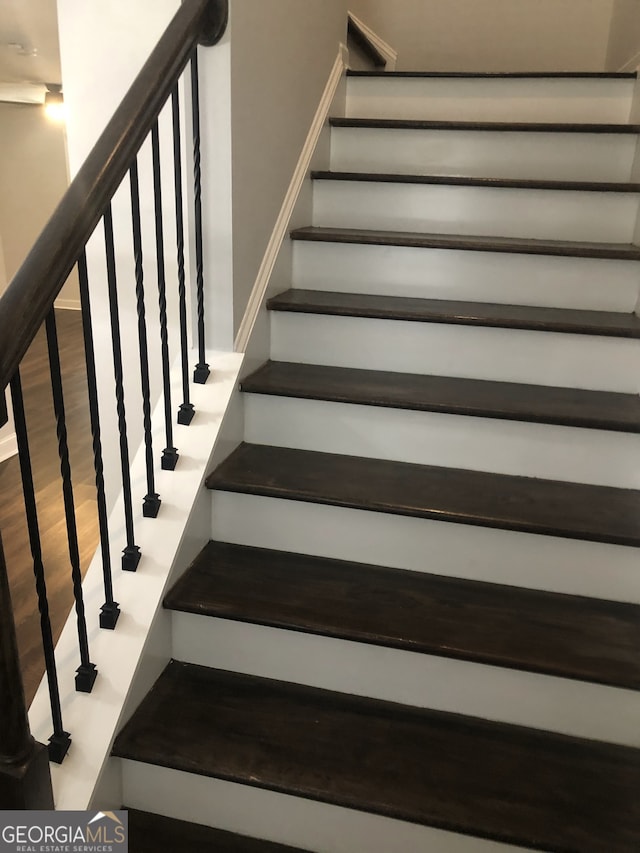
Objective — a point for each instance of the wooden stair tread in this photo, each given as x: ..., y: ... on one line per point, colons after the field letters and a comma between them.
x: 495, y: 315
x: 469, y: 243
x: 497, y: 75
x: 152, y: 833
x: 562, y: 635
x: 453, y: 395
x: 549, y: 507
x: 457, y: 773
x: 488, y: 183
x: 500, y: 126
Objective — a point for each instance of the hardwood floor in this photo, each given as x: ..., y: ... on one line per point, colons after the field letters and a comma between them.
x: 46, y: 468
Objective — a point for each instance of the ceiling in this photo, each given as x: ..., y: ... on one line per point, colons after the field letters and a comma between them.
x: 29, y: 50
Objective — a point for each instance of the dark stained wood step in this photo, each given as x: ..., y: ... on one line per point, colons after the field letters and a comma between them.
x: 495, y: 315
x: 152, y: 833
x: 498, y: 75
x: 520, y: 786
x: 501, y: 126
x: 562, y: 635
x: 549, y: 507
x: 488, y: 183
x: 474, y: 397
x: 475, y: 243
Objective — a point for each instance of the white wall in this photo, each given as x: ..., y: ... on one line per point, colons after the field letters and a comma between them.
x: 624, y: 40
x: 33, y: 177
x: 493, y: 35
x: 102, y: 49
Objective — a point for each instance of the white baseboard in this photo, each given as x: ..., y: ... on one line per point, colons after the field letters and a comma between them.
x: 390, y: 55
x: 68, y: 304
x: 8, y: 447
x: 632, y: 64
x: 282, y: 223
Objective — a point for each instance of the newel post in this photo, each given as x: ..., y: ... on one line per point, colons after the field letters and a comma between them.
x: 25, y: 779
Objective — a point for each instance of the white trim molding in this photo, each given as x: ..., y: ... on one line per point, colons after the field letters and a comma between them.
x: 8, y: 446
x: 68, y: 304
x: 630, y: 65
x: 282, y: 223
x: 384, y: 49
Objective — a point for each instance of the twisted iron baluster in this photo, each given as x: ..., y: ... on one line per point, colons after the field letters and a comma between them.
x: 170, y: 453
x: 201, y: 372
x: 151, y: 504
x: 110, y: 611
x: 86, y: 672
x: 186, y: 412
x: 131, y: 554
x: 60, y: 741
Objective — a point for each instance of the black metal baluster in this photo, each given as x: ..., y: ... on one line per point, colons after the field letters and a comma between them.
x: 131, y: 554
x: 151, y: 504
x: 60, y: 741
x: 170, y: 453
x: 201, y: 373
x: 86, y: 672
x: 110, y: 611
x: 186, y: 412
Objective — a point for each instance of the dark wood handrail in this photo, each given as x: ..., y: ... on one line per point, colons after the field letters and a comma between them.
x: 34, y: 288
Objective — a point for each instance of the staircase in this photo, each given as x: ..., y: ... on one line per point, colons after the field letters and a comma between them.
x: 417, y: 625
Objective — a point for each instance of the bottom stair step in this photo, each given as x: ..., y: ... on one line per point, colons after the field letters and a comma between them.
x: 152, y: 833
x: 489, y: 780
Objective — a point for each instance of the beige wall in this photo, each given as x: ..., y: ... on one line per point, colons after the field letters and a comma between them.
x: 33, y: 178
x: 493, y: 35
x: 282, y: 52
x: 624, y: 39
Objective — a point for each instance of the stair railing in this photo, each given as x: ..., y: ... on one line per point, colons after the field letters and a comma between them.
x: 28, y: 303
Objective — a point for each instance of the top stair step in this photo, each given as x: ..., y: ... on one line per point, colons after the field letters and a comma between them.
x: 489, y: 126
x: 510, y: 75
x: 473, y: 181
x: 548, y: 98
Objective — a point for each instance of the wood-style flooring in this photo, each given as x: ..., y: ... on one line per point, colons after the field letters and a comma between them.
x: 46, y: 468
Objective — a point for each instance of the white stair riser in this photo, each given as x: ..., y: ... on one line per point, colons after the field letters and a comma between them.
x: 509, y: 355
x: 537, y: 280
x: 526, y: 560
x: 484, y: 154
x: 306, y: 824
x: 454, y: 441
x: 533, y: 214
x: 426, y: 681
x: 515, y: 100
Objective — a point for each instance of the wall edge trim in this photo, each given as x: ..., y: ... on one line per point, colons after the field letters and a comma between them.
x: 286, y: 211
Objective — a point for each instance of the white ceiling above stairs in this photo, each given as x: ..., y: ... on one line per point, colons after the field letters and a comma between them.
x: 29, y: 50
